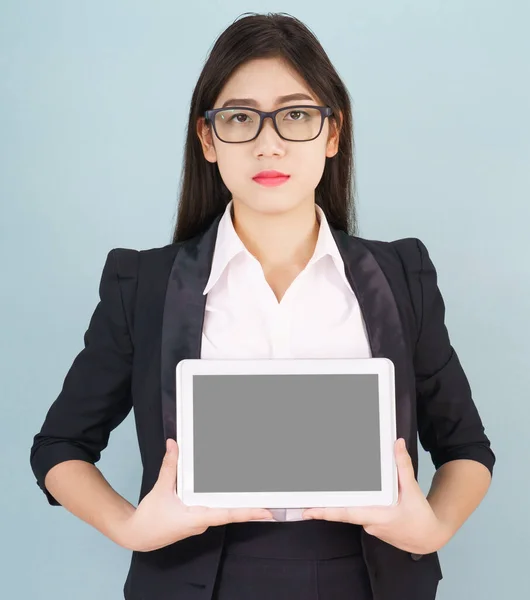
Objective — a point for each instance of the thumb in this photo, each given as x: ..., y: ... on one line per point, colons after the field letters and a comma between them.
x: 167, y: 476
x: 404, y: 466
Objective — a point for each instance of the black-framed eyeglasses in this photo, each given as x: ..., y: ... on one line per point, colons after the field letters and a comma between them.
x: 238, y: 124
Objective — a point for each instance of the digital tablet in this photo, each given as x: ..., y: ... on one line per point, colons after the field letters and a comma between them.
x: 286, y: 433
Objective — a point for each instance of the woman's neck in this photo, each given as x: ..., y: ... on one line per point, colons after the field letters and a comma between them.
x: 281, y: 239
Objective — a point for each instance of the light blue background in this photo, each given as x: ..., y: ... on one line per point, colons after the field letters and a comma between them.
x: 93, y: 107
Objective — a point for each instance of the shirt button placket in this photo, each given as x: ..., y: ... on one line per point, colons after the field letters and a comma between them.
x: 281, y: 333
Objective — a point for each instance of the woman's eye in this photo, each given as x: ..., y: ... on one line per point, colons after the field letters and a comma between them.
x: 239, y: 115
x: 297, y: 112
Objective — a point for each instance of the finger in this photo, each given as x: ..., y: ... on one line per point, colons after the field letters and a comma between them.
x: 172, y: 445
x: 241, y: 515
x: 223, y: 516
x: 354, y: 515
x: 167, y: 477
x: 405, y: 468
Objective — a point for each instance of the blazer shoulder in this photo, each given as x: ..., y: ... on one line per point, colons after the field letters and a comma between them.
x: 408, y: 255
x: 136, y: 270
x: 404, y: 261
x: 129, y: 260
x: 409, y: 250
x: 129, y: 253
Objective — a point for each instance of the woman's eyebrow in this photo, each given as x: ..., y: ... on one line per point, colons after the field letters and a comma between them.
x: 279, y: 100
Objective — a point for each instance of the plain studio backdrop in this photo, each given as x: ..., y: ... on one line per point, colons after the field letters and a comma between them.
x: 93, y: 109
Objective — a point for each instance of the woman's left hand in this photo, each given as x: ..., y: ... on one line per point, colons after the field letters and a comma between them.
x: 410, y: 525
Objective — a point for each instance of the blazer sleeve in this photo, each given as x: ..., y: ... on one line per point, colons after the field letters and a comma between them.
x: 95, y: 396
x: 449, y: 425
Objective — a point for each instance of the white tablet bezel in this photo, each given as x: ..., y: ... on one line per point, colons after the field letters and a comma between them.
x: 383, y: 367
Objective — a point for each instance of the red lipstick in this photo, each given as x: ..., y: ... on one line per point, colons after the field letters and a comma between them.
x: 270, y: 178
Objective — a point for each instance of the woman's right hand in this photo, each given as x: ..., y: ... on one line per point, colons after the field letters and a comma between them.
x: 162, y: 518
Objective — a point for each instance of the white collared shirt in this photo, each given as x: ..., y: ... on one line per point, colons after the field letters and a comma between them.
x: 318, y: 316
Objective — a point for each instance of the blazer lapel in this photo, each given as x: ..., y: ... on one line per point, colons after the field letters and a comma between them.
x: 383, y: 323
x: 184, y: 315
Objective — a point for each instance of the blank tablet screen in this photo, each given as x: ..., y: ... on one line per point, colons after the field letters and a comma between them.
x: 286, y: 433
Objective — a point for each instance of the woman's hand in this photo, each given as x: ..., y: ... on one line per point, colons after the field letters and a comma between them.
x: 162, y: 519
x: 410, y: 525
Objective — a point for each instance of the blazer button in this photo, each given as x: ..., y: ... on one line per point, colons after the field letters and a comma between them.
x: 416, y: 556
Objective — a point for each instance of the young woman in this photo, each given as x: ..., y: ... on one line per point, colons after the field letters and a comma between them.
x: 265, y: 263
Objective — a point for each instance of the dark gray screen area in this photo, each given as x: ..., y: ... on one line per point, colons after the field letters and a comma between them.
x: 286, y: 433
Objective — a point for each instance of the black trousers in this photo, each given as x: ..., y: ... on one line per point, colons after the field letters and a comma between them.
x: 312, y: 560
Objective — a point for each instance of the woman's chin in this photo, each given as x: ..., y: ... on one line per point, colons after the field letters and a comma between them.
x: 268, y: 204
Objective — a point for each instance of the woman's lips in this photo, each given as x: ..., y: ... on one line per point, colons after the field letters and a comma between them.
x: 271, y: 181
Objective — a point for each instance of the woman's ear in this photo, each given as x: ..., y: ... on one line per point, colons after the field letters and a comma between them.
x: 334, y: 134
x: 204, y: 132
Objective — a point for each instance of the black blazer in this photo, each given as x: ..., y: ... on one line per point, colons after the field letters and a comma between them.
x: 150, y: 317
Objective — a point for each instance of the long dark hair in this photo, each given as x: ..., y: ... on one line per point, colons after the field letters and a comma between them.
x: 203, y: 195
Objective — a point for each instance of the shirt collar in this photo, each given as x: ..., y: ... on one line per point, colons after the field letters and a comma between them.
x: 326, y: 246
x: 228, y: 245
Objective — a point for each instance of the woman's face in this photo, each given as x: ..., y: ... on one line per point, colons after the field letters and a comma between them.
x: 264, y: 80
